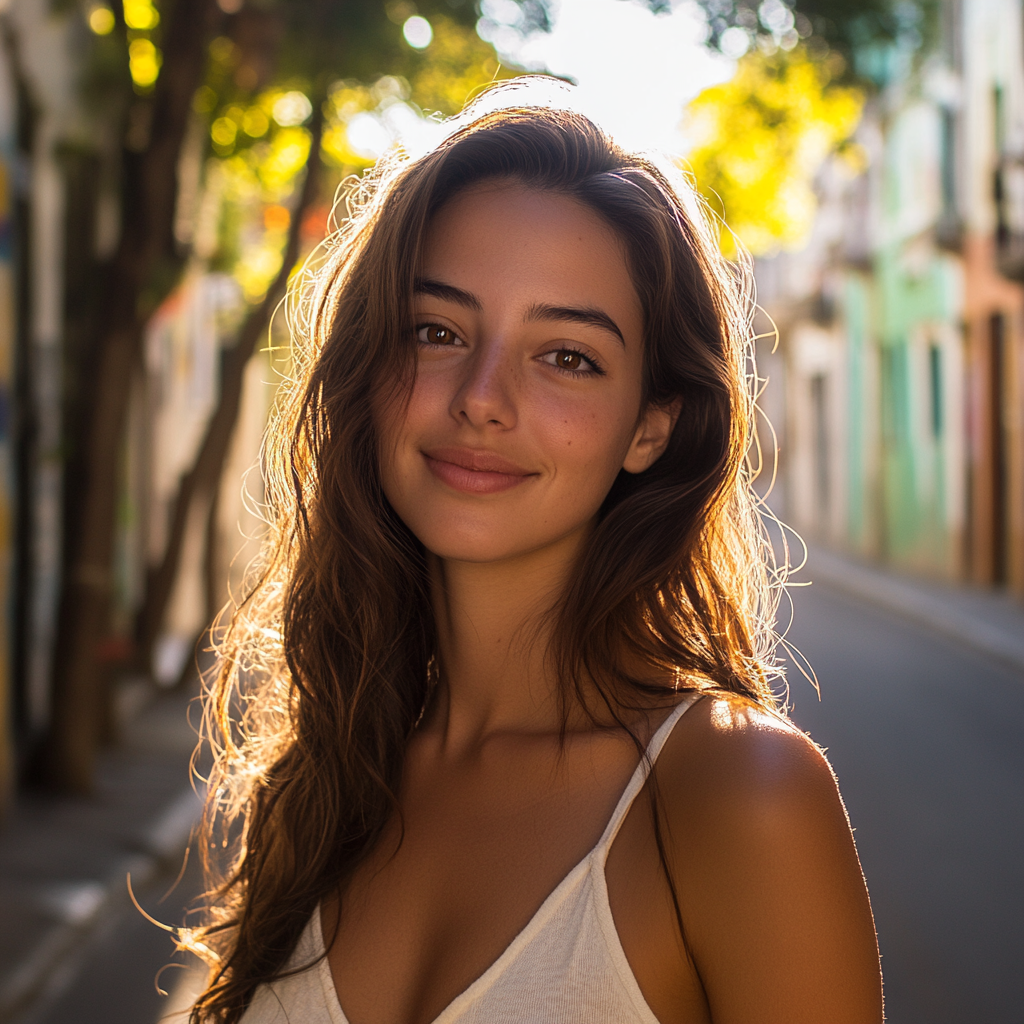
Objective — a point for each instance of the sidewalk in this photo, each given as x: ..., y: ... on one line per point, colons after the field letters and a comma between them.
x: 64, y: 862
x: 986, y: 621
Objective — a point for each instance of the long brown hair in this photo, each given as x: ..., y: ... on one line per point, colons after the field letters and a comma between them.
x: 326, y: 665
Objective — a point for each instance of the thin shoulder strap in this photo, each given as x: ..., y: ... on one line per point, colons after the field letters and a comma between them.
x: 643, y: 770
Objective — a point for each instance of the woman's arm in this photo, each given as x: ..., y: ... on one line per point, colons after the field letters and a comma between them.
x: 773, y: 899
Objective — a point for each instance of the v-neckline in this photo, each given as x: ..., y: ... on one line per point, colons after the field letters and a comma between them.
x: 552, y: 900
x: 482, y: 981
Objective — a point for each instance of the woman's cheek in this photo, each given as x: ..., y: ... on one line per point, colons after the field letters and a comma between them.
x: 431, y: 397
x: 587, y: 424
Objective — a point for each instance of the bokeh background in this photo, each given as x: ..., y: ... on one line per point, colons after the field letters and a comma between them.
x: 165, y: 165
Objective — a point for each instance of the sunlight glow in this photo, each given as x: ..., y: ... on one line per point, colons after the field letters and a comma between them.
x: 101, y: 20
x: 144, y: 61
x: 635, y: 70
x: 140, y: 15
x: 417, y: 32
x: 292, y: 109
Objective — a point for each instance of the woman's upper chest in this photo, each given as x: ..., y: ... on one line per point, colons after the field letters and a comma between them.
x: 483, y: 844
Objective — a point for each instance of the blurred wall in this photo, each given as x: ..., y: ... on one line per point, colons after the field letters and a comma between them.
x: 8, y: 330
x: 59, y: 161
x: 902, y: 321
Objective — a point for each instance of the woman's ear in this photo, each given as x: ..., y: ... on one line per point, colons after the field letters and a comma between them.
x: 652, y: 436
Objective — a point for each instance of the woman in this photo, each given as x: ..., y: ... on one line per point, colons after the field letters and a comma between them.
x: 504, y: 745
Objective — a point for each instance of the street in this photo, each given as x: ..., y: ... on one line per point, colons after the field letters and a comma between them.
x: 114, y: 979
x: 925, y: 737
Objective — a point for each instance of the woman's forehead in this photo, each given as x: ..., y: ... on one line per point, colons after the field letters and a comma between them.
x: 497, y: 198
x: 503, y: 236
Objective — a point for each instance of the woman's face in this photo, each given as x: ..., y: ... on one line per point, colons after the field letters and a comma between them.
x: 526, y: 401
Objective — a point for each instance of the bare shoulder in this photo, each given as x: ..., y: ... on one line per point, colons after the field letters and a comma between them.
x: 762, y: 856
x: 749, y: 802
x: 742, y: 758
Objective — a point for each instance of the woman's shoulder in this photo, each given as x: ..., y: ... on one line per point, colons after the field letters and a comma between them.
x: 762, y: 857
x: 731, y: 763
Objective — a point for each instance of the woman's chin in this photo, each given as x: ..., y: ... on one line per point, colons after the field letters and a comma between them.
x: 503, y: 545
x: 482, y: 552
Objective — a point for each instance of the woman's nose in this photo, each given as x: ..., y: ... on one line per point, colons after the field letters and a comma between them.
x: 486, y: 393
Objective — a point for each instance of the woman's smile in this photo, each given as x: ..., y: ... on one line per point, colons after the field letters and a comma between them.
x: 473, y: 471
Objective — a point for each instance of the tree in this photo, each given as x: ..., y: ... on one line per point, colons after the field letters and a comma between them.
x: 857, y: 30
x: 760, y: 138
x: 146, y: 258
x: 441, y: 79
x: 159, y: 71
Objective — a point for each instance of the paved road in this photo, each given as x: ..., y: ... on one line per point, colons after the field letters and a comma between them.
x: 114, y: 979
x: 927, y: 739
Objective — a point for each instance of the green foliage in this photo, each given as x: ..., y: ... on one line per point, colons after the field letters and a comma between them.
x: 760, y: 138
x: 325, y: 40
x: 861, y: 31
x: 456, y: 65
x: 437, y: 80
x: 257, y: 142
x: 268, y: 65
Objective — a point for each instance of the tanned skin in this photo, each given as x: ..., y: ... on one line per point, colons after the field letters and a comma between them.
x: 526, y: 405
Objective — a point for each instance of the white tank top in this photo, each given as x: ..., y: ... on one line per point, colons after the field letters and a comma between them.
x: 567, y: 966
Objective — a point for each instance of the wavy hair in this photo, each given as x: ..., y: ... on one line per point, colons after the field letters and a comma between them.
x: 326, y: 665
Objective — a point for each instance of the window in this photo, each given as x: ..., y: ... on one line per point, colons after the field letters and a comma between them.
x: 935, y: 389
x: 819, y: 412
x: 948, y: 162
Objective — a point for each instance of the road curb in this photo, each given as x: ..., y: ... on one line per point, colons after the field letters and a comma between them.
x: 163, y: 843
x: 935, y: 608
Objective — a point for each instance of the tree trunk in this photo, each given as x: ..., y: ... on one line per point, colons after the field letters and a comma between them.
x: 144, y: 266
x: 204, y: 477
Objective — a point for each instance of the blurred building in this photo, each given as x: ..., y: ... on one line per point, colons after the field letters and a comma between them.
x: 58, y: 219
x: 8, y: 331
x: 37, y: 115
x: 174, y: 396
x: 898, y: 386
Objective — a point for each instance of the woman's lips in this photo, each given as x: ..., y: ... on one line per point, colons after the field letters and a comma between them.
x: 475, y: 472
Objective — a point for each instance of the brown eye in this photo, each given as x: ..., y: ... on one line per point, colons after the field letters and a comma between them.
x: 572, y: 362
x: 435, y: 334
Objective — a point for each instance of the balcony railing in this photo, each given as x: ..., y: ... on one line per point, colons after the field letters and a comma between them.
x: 1008, y: 192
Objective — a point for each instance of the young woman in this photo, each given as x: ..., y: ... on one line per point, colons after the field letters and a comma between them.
x: 497, y: 737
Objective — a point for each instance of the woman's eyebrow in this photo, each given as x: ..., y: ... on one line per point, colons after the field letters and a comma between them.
x: 586, y: 315
x: 447, y: 292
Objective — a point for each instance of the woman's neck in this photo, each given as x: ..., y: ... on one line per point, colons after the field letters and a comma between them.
x: 494, y: 623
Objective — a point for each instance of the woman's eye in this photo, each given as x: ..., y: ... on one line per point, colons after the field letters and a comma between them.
x: 572, y: 361
x: 435, y: 334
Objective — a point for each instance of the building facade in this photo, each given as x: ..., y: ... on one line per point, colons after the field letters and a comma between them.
x: 902, y: 321
x: 59, y: 220
x: 992, y: 158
